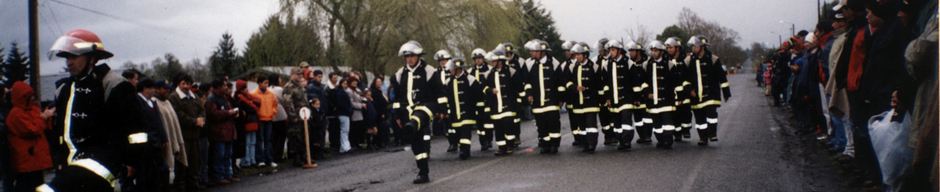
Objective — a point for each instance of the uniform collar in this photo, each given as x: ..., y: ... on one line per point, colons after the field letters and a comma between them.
x: 145, y: 99
x: 543, y: 60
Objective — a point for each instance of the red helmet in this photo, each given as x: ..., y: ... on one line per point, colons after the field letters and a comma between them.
x: 79, y: 42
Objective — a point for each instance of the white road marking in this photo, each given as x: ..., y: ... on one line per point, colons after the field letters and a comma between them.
x: 474, y: 168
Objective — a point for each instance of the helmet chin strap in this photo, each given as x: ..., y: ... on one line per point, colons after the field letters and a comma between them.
x: 86, y: 69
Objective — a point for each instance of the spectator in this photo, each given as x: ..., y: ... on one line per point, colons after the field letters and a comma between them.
x: 279, y: 123
x: 248, y: 107
x: 174, y: 154
x: 30, y: 150
x: 191, y: 114
x: 6, y: 171
x: 148, y: 173
x: 317, y: 90
x: 358, y: 127
x: 344, y: 110
x: 220, y: 115
x: 295, y: 99
x: 381, y: 105
x: 369, y: 122
x: 315, y: 131
x: 266, y: 112
x: 132, y: 76
x: 333, y: 122
x: 921, y: 63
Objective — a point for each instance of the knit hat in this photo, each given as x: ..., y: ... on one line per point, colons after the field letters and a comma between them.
x: 912, y: 6
x: 353, y: 78
x: 810, y: 38
x: 884, y: 12
x: 241, y: 84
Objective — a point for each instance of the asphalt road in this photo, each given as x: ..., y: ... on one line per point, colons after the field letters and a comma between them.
x: 756, y: 152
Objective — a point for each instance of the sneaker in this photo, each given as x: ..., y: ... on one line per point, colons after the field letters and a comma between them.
x: 261, y: 164
x: 234, y: 180
x: 222, y: 182
x: 273, y: 164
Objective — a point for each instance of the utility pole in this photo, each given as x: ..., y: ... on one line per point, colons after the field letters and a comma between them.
x: 34, y: 47
x: 792, y: 29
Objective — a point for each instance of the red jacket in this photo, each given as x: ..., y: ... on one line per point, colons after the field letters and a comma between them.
x: 29, y: 148
x: 221, y: 124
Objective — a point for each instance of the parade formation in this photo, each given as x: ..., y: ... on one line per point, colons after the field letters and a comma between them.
x: 651, y: 91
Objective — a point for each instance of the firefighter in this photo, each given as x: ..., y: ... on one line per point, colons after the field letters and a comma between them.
x: 586, y: 84
x: 441, y: 124
x: 502, y: 95
x: 661, y: 94
x: 99, y: 123
x: 515, y: 62
x: 567, y: 67
x: 619, y: 93
x: 683, y: 114
x: 545, y: 94
x: 463, y: 94
x: 641, y: 120
x: 421, y: 96
x: 478, y: 71
x: 709, y: 83
x: 605, y: 115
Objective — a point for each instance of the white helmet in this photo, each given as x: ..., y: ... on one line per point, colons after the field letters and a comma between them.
x: 538, y: 45
x: 508, y: 47
x: 656, y: 44
x: 633, y: 46
x: 442, y: 55
x: 456, y: 63
x: 496, y: 55
x: 599, y: 45
x: 698, y: 40
x: 613, y: 44
x: 567, y: 45
x: 544, y: 45
x: 673, y: 41
x: 410, y: 48
x: 478, y: 53
x: 580, y: 48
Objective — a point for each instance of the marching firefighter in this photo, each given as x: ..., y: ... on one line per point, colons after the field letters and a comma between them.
x: 605, y: 114
x: 463, y: 94
x: 641, y: 120
x: 661, y: 94
x: 569, y: 96
x: 709, y: 83
x: 586, y: 84
x: 484, y: 128
x: 421, y: 94
x: 683, y: 114
x: 502, y: 95
x: 515, y: 62
x: 545, y: 94
x: 99, y: 123
x: 441, y: 124
x: 619, y: 93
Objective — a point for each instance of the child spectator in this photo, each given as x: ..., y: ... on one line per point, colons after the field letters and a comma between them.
x: 30, y: 150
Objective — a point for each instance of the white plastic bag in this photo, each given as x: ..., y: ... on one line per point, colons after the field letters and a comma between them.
x: 889, y: 140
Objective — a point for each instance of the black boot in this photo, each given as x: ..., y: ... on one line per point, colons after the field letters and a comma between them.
x: 452, y: 148
x: 464, y: 154
x: 624, y: 146
x: 421, y: 179
x: 501, y: 151
x: 668, y: 142
x: 486, y: 145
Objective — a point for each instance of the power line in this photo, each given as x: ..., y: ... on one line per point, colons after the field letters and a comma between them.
x: 54, y: 18
x: 127, y: 20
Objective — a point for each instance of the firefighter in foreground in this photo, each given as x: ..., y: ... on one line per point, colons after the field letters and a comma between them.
x: 484, y: 128
x: 620, y: 93
x: 661, y: 94
x: 99, y: 122
x: 421, y: 90
x: 502, y: 87
x: 709, y: 83
x: 545, y: 94
x: 586, y: 84
x: 463, y: 93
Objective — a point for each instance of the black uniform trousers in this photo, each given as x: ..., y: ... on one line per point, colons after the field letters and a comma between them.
x: 683, y: 117
x: 504, y: 131
x: 484, y: 130
x: 421, y: 139
x: 549, y: 128
x: 575, y: 126
x: 663, y: 127
x: 643, y: 123
x: 589, y: 133
x: 706, y: 122
x: 607, y: 124
x: 624, y: 125
x: 463, y: 133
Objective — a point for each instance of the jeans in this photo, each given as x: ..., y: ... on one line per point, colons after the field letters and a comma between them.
x: 344, y: 134
x: 251, y: 139
x: 222, y: 160
x: 203, y: 159
x: 849, y: 137
x: 264, y: 145
x: 837, y: 138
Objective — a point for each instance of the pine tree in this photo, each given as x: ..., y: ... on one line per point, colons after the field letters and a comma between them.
x: 225, y: 58
x: 16, y: 67
x: 538, y: 24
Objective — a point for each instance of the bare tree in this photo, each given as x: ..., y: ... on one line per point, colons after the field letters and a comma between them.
x: 641, y: 35
x: 722, y: 40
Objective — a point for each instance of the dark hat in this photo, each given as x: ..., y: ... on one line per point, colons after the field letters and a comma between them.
x: 911, y: 6
x: 297, y: 71
x: 162, y: 83
x: 838, y: 16
x: 146, y: 82
x: 241, y: 84
x: 882, y: 11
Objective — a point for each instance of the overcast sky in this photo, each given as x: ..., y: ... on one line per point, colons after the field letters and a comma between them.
x: 140, y: 31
